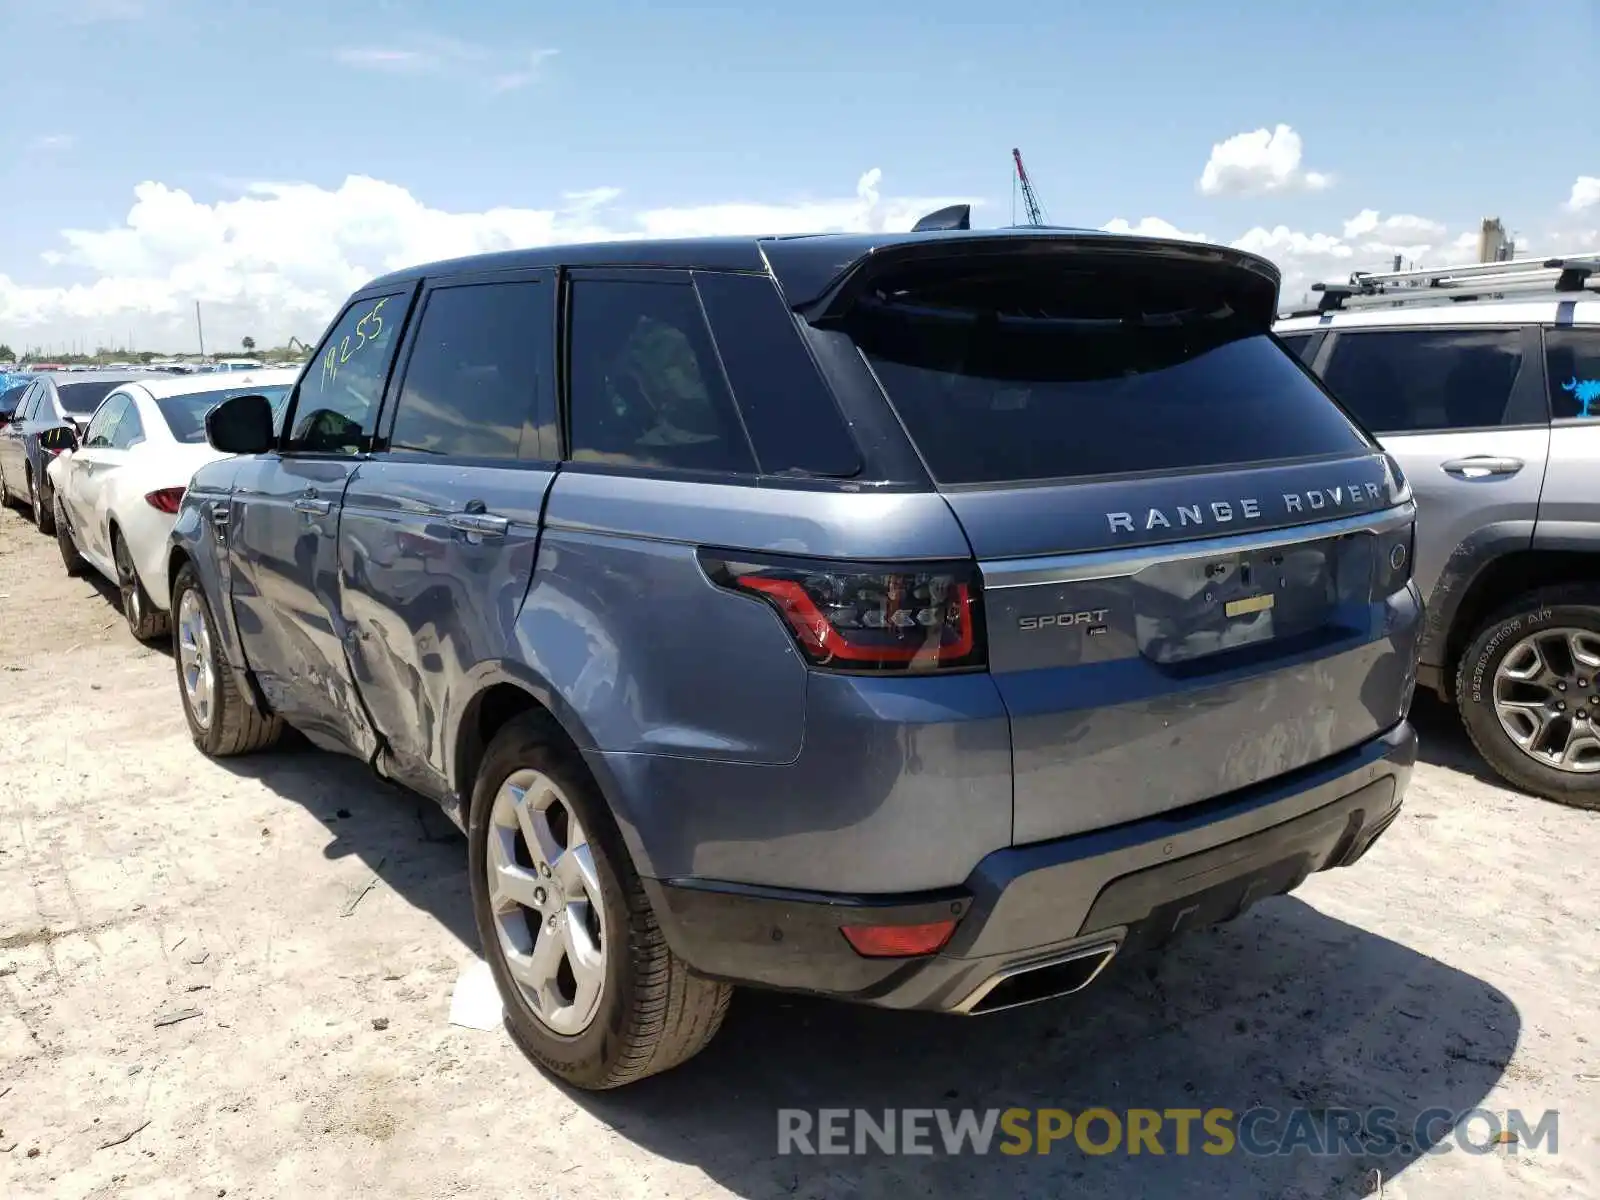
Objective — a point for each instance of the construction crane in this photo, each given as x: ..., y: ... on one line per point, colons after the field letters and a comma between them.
x: 1029, y: 200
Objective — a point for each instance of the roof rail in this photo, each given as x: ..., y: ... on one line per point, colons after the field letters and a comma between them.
x: 1564, y: 273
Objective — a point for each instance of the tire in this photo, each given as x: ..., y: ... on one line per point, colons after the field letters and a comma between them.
x: 74, y: 562
x: 43, y: 501
x: 1552, y: 613
x: 651, y: 1014
x: 231, y: 725
x: 146, y: 622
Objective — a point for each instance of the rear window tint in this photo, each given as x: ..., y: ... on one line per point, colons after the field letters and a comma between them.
x: 81, y: 399
x: 645, y: 387
x: 186, y: 415
x: 1574, y: 372
x: 791, y: 415
x: 1298, y: 343
x: 1407, y: 381
x: 1087, y: 378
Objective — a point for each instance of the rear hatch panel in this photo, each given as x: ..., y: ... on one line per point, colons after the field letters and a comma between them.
x: 1182, y: 537
x: 1136, y: 684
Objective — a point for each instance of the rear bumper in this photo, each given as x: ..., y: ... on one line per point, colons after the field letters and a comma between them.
x: 1067, y: 905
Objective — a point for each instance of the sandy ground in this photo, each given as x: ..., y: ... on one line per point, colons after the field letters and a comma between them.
x: 191, y: 1006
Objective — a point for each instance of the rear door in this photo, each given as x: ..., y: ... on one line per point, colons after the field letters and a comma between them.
x: 1178, y: 530
x: 86, y: 473
x: 11, y: 441
x: 283, y: 527
x: 1463, y: 411
x: 441, y: 524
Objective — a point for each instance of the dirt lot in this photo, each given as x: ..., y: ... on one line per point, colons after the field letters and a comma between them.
x: 1454, y: 967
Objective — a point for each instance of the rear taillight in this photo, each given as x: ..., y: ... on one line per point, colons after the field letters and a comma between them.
x: 862, y: 617
x: 165, y: 499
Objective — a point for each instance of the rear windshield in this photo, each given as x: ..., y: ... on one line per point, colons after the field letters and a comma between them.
x: 1074, y: 374
x: 81, y: 399
x: 186, y: 415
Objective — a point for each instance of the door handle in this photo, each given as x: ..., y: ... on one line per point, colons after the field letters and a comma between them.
x: 484, y: 524
x: 1481, y: 465
x: 317, y: 508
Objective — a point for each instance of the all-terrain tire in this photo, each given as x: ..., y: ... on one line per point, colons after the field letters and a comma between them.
x: 653, y: 1013
x: 74, y: 562
x: 1575, y: 606
x: 235, y: 726
x: 146, y: 622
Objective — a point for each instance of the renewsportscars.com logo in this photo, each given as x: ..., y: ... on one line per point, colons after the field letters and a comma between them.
x: 1176, y: 1131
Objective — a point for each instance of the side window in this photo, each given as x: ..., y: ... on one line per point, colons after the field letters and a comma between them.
x: 337, y: 399
x: 103, y: 425
x: 1573, y: 358
x: 1426, y: 379
x: 30, y: 399
x: 44, y: 408
x: 478, y: 361
x: 129, y: 431
x: 646, y: 388
x: 791, y: 415
x: 1298, y: 344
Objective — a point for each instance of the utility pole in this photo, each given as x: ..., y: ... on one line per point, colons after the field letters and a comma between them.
x: 200, y: 329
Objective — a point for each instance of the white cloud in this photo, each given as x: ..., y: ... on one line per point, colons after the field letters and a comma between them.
x: 279, y: 259
x: 1367, y: 223
x: 379, y: 58
x: 513, y: 80
x: 489, y: 67
x: 1153, y: 227
x: 54, y: 141
x: 1585, y: 193
x: 1258, y: 162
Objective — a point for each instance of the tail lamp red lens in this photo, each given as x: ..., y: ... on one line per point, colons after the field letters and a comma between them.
x: 898, y: 941
x: 165, y: 500
x: 860, y: 617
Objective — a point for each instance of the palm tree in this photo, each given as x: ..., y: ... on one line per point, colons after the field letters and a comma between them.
x: 249, y: 345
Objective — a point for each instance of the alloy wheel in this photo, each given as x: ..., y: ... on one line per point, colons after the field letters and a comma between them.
x: 1547, y: 697
x: 545, y: 897
x: 194, y: 657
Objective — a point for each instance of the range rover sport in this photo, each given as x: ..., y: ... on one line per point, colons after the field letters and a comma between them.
x: 914, y: 619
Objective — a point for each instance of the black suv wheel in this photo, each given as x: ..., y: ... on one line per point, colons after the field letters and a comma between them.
x: 1528, y: 688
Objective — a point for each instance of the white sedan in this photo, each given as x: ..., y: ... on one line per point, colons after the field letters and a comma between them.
x: 117, y: 492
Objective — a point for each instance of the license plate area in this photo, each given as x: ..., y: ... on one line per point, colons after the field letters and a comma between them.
x: 1195, y: 607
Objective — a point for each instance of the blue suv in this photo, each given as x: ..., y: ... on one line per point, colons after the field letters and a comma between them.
x: 915, y: 619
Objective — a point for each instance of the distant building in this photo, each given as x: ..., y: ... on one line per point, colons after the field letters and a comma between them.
x: 1493, y: 244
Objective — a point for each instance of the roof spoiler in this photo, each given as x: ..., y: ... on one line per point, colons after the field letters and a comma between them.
x: 956, y: 216
x: 818, y: 298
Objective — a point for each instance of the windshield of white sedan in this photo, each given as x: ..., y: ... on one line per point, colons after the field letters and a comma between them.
x: 186, y: 415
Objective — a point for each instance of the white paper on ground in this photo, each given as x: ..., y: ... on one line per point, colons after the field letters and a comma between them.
x: 475, y: 1004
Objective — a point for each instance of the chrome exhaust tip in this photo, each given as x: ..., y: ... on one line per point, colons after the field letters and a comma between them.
x: 1043, y: 979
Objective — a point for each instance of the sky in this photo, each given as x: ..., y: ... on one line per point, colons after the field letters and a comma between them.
x: 265, y: 159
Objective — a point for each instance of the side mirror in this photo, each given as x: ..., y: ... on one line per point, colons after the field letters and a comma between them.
x: 241, y: 425
x: 59, y: 439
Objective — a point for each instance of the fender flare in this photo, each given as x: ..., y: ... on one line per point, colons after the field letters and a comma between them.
x: 506, y: 672
x: 1461, y: 571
